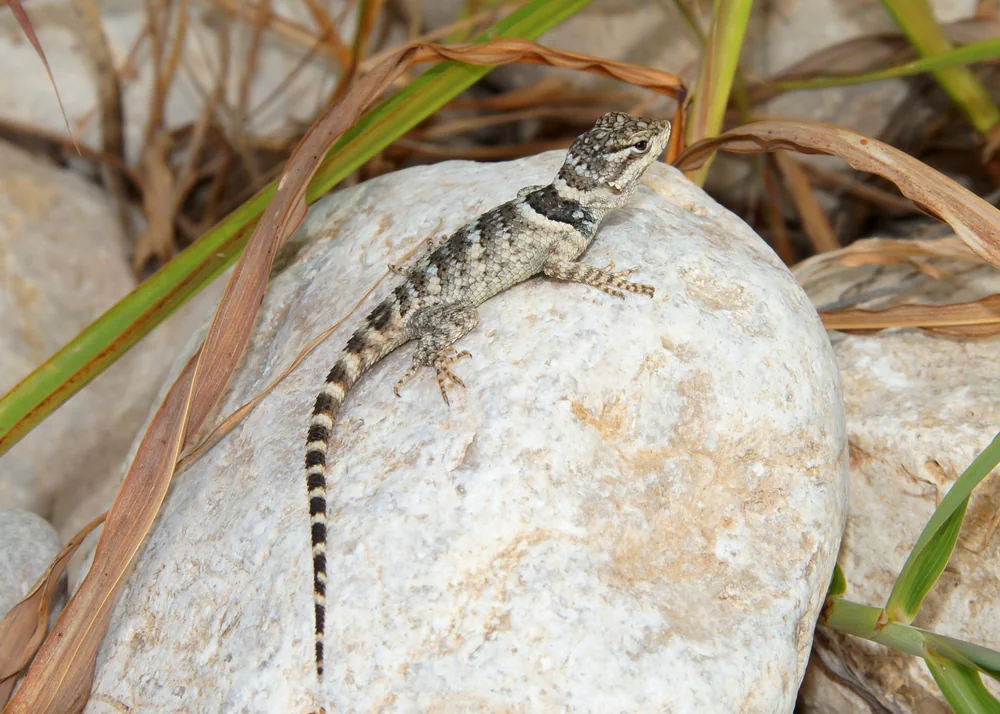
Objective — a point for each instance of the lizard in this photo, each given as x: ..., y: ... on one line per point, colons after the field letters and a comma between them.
x: 542, y: 231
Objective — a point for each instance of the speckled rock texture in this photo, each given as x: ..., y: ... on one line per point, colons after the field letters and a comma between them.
x: 27, y: 545
x: 920, y: 408
x: 635, y: 505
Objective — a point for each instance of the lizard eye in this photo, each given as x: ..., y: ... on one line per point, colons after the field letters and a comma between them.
x: 641, y: 146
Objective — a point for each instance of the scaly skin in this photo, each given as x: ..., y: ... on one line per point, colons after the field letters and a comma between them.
x: 543, y: 231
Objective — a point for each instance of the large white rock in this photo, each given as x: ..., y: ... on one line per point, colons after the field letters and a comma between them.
x: 635, y: 506
x: 920, y: 408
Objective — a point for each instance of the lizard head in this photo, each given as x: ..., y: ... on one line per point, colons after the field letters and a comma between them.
x: 604, y: 165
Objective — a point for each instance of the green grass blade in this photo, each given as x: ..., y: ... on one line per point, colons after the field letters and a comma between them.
x: 719, y: 64
x: 124, y: 324
x: 985, y: 51
x: 923, y: 568
x: 916, y: 19
x: 861, y: 621
x: 914, y: 581
x: 838, y: 583
x: 965, y: 653
x: 961, y: 686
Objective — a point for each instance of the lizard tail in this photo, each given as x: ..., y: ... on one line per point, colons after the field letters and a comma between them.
x: 382, y: 333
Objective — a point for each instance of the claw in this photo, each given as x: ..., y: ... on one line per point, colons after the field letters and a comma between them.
x: 441, y: 366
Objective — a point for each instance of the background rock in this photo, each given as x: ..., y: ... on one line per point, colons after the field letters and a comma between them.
x: 920, y: 408
x: 26, y: 96
x: 61, y: 267
x: 779, y: 35
x: 646, y: 519
x: 27, y: 545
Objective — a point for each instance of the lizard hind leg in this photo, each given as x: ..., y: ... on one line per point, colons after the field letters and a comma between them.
x: 437, y: 329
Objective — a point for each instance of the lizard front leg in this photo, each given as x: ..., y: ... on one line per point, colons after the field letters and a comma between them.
x: 601, y: 278
x: 437, y: 328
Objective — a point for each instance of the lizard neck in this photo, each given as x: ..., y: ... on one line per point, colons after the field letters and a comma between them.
x: 552, y: 204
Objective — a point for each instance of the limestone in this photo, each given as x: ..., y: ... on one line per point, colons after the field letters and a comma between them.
x: 635, y: 506
x: 919, y: 407
x: 27, y: 544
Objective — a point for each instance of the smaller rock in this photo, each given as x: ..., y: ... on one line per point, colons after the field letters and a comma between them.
x: 27, y: 545
x: 920, y: 407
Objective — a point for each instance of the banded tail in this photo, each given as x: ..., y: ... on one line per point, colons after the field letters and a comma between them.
x: 382, y: 333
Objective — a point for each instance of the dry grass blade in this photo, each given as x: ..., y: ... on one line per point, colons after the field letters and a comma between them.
x: 109, y: 91
x: 779, y: 237
x: 368, y: 14
x: 29, y: 31
x: 982, y: 316
x: 227, y: 424
x: 974, y: 220
x: 59, y: 679
x: 527, y: 52
x: 22, y: 629
x: 158, y: 199
x: 880, y: 199
x: 814, y: 221
x: 882, y: 251
x: 328, y: 43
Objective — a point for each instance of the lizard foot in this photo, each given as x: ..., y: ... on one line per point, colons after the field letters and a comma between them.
x: 442, y: 367
x: 616, y: 285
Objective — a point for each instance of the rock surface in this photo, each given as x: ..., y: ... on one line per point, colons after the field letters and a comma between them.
x: 27, y: 545
x: 635, y: 506
x: 920, y: 408
x: 61, y: 266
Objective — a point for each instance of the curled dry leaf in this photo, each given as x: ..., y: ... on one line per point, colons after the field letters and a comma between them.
x: 979, y: 318
x: 60, y: 677
x: 974, y: 220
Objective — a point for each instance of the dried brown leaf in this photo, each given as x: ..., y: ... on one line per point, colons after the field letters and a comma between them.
x: 883, y: 251
x: 59, y: 678
x: 979, y: 318
x: 974, y: 220
x: 779, y: 237
x: 814, y: 221
x: 879, y: 198
x: 23, y: 627
x: 159, y: 204
x: 109, y: 93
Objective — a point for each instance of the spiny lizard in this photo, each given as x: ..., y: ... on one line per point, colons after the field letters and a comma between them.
x: 544, y: 230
